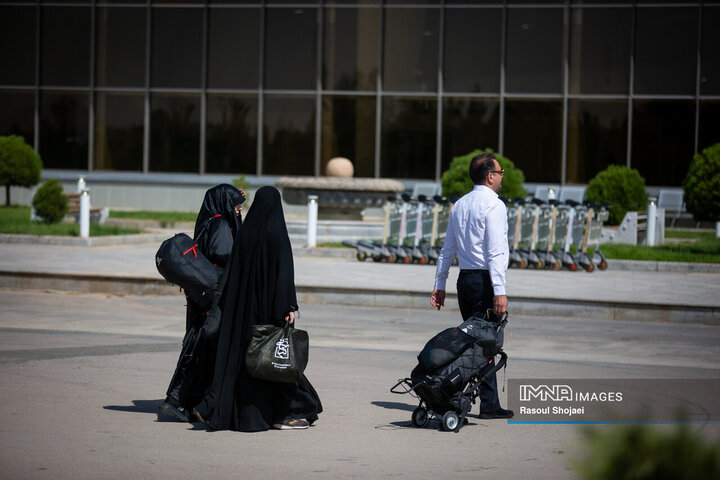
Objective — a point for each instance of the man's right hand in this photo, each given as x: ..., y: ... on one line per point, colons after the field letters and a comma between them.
x: 500, y: 303
x: 437, y: 298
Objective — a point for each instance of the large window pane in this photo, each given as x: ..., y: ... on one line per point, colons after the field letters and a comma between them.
x: 176, y: 44
x: 468, y: 124
x: 666, y: 63
x: 231, y: 134
x: 408, y: 137
x: 289, y: 135
x: 348, y: 130
x: 597, y: 137
x: 411, y: 49
x: 65, y: 46
x: 533, y: 138
x: 17, y: 45
x: 663, y: 140
x: 600, y: 43
x: 709, y: 133
x: 290, y: 53
x: 472, y: 50
x: 710, y: 53
x: 175, y: 133
x: 64, y: 130
x: 120, y: 47
x: 118, y: 131
x: 233, y: 57
x: 350, y: 48
x: 534, y: 50
x: 16, y: 114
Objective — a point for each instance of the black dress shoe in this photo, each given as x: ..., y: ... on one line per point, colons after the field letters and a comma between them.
x: 177, y: 412
x: 499, y: 413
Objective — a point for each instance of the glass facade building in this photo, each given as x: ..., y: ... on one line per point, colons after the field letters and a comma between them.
x: 400, y: 87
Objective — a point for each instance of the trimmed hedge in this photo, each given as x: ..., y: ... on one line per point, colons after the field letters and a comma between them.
x: 622, y: 187
x: 702, y: 185
x: 19, y: 164
x: 49, y: 202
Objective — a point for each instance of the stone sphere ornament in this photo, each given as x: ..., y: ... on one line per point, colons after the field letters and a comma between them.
x: 339, y: 167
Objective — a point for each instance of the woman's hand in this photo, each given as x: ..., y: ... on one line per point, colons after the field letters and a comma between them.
x: 290, y: 317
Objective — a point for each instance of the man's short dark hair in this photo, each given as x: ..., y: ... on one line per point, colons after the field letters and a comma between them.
x: 480, y: 166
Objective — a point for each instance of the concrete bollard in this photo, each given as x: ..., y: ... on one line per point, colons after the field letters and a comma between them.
x: 717, y: 229
x: 312, y: 221
x: 84, y: 214
x: 81, y: 185
x: 651, y: 222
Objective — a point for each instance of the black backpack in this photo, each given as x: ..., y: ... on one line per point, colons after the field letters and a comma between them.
x: 180, y: 261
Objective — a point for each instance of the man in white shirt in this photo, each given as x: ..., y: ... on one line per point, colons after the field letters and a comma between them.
x: 477, y: 233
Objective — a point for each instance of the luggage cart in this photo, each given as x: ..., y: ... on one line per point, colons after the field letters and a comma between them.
x: 414, y: 222
x: 562, y: 239
x: 527, y: 236
x: 597, y: 216
x: 542, y: 235
x: 514, y: 211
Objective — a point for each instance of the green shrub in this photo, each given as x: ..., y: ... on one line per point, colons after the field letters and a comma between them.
x: 241, y: 183
x: 456, y: 179
x: 702, y: 185
x: 622, y: 187
x: 640, y: 452
x: 50, y: 203
x: 19, y: 164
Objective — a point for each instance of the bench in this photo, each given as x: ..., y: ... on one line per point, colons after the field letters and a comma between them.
x: 97, y: 214
x: 673, y: 204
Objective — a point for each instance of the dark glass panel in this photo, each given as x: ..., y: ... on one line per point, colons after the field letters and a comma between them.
x: 411, y: 49
x: 65, y: 49
x: 235, y: 1
x: 534, y: 50
x: 175, y: 133
x: 533, y: 138
x: 289, y: 135
x: 351, y: 48
x: 413, y: 2
x: 468, y: 124
x: 663, y: 140
x: 64, y: 130
x: 176, y: 1
x: 231, y: 134
x: 233, y: 57
x: 290, y: 51
x: 408, y: 137
x: 451, y: 2
x: 666, y: 62
x: 176, y: 44
x: 123, y: 1
x: 17, y: 45
x: 472, y: 50
x: 710, y: 53
x: 276, y: 2
x: 120, y: 47
x: 348, y: 130
x: 709, y: 133
x: 16, y: 114
x: 590, y: 2
x: 118, y: 131
x: 597, y: 137
x: 600, y: 44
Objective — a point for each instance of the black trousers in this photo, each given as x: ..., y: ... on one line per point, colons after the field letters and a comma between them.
x: 475, y: 295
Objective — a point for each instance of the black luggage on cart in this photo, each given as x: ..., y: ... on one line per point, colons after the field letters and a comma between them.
x: 452, y: 367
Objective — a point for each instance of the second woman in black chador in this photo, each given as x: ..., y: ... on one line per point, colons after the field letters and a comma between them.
x: 260, y: 290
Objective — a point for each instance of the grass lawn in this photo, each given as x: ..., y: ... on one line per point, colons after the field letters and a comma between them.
x: 169, y: 216
x: 16, y: 219
x: 702, y: 247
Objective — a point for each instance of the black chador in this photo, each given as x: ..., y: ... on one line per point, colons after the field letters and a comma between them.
x: 215, y: 229
x: 260, y: 290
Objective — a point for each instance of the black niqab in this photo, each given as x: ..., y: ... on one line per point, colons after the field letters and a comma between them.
x: 260, y: 290
x: 220, y: 200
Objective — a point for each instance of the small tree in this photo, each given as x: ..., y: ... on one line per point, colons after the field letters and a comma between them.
x: 49, y: 202
x: 702, y: 185
x: 456, y: 179
x: 622, y: 187
x: 19, y: 164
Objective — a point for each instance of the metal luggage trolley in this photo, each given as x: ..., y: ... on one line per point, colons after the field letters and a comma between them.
x: 514, y: 212
x: 526, y: 239
x: 438, y: 229
x: 596, y: 217
x: 561, y: 239
x: 415, y: 208
x: 542, y: 235
x: 394, y: 232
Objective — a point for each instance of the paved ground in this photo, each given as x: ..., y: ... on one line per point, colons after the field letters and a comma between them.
x: 666, y: 288
x: 83, y: 374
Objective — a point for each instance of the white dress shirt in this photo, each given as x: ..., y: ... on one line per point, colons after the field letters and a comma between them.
x: 477, y: 232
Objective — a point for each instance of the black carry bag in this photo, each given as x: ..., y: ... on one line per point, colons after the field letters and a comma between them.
x: 180, y: 261
x: 277, y: 354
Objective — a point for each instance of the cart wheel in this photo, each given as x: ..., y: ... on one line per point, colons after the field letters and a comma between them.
x: 450, y: 421
x: 602, y: 265
x: 377, y: 258
x: 522, y: 264
x: 390, y: 259
x: 422, y: 260
x: 538, y: 265
x: 405, y: 260
x: 590, y: 267
x: 360, y: 257
x: 572, y: 267
x: 556, y: 265
x: 420, y: 417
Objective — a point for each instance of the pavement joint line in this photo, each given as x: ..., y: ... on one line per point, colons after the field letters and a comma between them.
x: 377, y: 297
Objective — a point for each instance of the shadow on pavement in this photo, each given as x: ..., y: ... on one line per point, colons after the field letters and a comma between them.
x: 142, y: 406
x: 395, y: 406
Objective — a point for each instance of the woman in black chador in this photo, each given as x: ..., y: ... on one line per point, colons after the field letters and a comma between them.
x: 260, y: 290
x: 215, y: 228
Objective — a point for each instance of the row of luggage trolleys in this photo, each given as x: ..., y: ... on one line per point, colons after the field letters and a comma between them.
x: 553, y: 235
